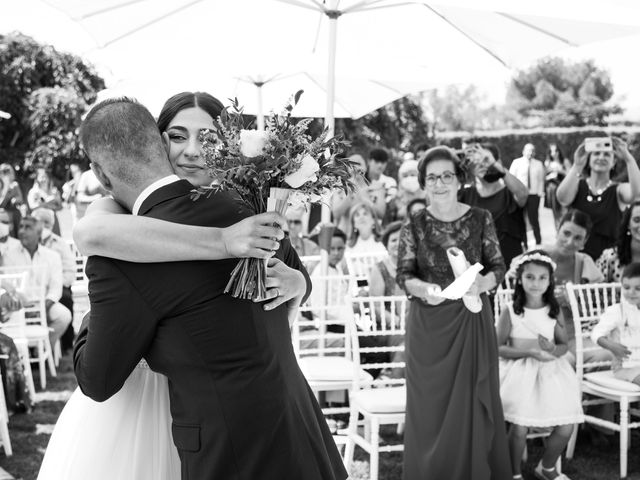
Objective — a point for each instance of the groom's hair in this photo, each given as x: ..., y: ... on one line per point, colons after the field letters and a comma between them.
x: 121, y: 136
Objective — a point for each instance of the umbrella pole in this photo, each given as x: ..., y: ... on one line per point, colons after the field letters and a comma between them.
x: 329, y: 120
x: 259, y: 115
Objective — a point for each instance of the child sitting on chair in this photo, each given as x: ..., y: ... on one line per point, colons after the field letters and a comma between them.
x: 619, y: 328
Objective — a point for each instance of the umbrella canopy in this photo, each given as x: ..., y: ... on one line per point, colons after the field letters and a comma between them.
x: 158, y: 43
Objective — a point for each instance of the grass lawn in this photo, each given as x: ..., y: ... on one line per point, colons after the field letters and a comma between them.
x: 30, y: 434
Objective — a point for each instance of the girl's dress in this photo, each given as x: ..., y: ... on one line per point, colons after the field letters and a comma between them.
x: 536, y: 393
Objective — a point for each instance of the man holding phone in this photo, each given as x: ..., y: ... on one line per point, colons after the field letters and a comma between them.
x: 530, y: 171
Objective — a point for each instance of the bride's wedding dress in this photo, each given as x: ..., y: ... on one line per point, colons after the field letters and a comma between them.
x: 127, y: 437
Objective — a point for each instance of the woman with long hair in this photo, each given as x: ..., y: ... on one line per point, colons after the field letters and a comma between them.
x: 627, y: 248
x: 129, y: 435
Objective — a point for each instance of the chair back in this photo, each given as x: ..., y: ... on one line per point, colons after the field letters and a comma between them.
x: 588, y: 302
x: 14, y: 323
x: 80, y: 262
x: 378, y: 337
x: 324, y: 322
x: 500, y: 301
x: 360, y: 265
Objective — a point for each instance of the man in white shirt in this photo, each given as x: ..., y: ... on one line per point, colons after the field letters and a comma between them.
x: 47, y: 274
x: 7, y: 242
x: 61, y: 247
x: 530, y: 172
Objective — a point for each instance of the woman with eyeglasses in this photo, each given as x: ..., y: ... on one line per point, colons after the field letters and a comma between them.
x: 588, y: 187
x: 453, y: 392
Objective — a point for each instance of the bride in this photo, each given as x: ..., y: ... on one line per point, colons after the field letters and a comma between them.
x: 128, y: 437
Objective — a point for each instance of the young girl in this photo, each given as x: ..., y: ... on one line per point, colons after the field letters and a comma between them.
x: 538, y: 387
x: 619, y: 328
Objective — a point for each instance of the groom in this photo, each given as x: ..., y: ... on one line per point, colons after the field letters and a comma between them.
x: 240, y: 406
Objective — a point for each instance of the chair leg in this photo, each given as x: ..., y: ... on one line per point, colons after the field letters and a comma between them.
x: 50, y: 360
x: 571, y: 446
x: 41, y: 365
x: 57, y: 353
x: 400, y: 429
x: 375, y: 453
x: 353, y: 431
x: 624, y: 435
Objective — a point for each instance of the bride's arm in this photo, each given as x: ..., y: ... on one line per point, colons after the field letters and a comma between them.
x: 107, y: 230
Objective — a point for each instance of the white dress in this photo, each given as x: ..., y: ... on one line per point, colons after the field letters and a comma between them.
x: 536, y: 393
x: 127, y: 437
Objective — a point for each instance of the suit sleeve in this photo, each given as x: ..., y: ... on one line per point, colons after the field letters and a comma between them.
x: 114, y: 335
x: 291, y: 258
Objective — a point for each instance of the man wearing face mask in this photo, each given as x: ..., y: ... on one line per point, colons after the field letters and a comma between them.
x: 7, y: 242
x: 408, y: 190
x: 58, y: 245
x: 499, y: 192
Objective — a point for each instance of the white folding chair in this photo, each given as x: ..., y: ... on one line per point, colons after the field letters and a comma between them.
x: 5, y: 440
x: 587, y: 304
x: 381, y: 401
x: 80, y: 288
x: 15, y: 325
x: 359, y: 266
x: 322, y: 342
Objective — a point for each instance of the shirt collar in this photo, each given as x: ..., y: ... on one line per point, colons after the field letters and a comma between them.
x: 152, y: 188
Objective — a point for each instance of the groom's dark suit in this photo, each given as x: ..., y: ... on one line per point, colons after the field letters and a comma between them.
x: 240, y: 406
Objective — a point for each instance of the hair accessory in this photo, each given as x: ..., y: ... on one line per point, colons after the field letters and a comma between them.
x: 530, y: 257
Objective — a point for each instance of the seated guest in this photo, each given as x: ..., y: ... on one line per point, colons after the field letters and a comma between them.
x: 416, y: 205
x: 619, y: 328
x: 58, y: 245
x: 378, y: 160
x: 302, y: 245
x: 7, y: 242
x: 627, y: 249
x: 48, y: 278
x: 573, y: 266
x: 363, y: 232
x: 16, y: 392
x: 382, y: 279
x: 372, y: 194
x: 11, y: 198
x: 408, y: 190
x: 495, y: 189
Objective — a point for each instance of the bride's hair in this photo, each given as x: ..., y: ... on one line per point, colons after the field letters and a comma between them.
x: 181, y: 101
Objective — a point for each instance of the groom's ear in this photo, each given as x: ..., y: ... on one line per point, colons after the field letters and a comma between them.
x: 166, y: 142
x: 101, y: 176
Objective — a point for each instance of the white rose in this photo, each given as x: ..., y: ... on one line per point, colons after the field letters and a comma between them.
x: 306, y: 173
x: 252, y: 142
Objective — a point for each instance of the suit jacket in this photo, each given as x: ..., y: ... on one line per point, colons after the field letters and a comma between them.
x: 240, y: 406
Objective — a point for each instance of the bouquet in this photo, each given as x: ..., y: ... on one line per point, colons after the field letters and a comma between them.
x: 269, y: 170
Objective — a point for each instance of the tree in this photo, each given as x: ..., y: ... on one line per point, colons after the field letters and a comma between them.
x: 46, y: 92
x: 401, y: 124
x: 557, y: 92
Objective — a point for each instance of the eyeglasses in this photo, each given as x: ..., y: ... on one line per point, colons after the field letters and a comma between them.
x: 295, y: 222
x: 446, y: 178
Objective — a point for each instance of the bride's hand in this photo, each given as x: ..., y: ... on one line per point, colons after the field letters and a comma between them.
x: 255, y: 236
x: 283, y: 283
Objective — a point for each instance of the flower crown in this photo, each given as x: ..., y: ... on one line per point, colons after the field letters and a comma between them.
x: 530, y: 257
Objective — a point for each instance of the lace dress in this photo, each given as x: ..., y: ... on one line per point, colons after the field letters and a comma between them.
x: 453, y: 390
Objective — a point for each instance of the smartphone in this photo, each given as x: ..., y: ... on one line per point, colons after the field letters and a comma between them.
x: 598, y: 144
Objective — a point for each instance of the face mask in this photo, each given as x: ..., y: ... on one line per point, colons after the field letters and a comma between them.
x: 410, y: 184
x: 4, y: 230
x: 46, y: 233
x: 492, y: 175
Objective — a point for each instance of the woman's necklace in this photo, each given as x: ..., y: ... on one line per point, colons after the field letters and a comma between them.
x: 595, y: 195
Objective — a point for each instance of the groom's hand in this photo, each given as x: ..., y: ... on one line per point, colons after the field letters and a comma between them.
x: 283, y: 284
x: 255, y: 236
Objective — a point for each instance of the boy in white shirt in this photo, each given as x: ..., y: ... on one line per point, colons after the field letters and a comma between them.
x: 619, y: 328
